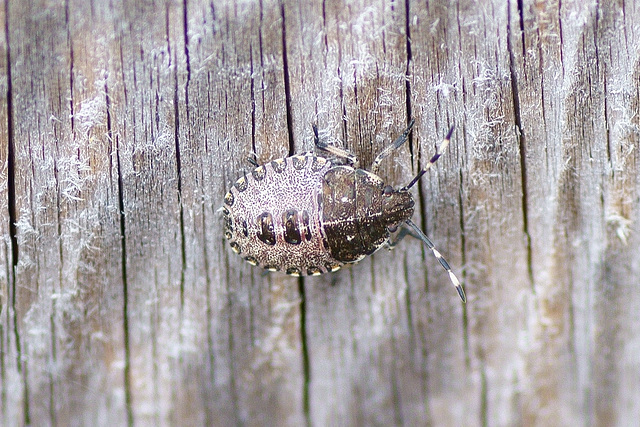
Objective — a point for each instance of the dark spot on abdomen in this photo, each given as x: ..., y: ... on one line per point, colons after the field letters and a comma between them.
x: 291, y: 227
x: 266, y: 231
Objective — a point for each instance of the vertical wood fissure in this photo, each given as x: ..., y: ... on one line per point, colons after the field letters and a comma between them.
x: 287, y: 87
x: 463, y: 259
x: 176, y: 138
x: 407, y: 80
x: 71, y: 68
x: 306, y: 379
x: 123, y: 265
x: 21, y: 363
x: 521, y: 140
x: 306, y: 367
x: 262, y: 85
x: 253, y: 105
x: 185, y: 33
x: 484, y: 397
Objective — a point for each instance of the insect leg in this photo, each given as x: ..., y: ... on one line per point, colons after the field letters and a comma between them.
x: 336, y: 151
x: 439, y: 257
x: 391, y: 148
x: 253, y: 160
x: 402, y: 233
x: 439, y: 152
x: 394, y: 240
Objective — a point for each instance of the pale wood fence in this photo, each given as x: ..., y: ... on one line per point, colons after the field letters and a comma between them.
x: 123, y: 123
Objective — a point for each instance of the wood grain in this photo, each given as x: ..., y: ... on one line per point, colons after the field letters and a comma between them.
x: 122, y: 125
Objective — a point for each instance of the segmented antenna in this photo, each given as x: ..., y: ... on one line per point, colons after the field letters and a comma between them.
x: 439, y: 257
x: 439, y: 152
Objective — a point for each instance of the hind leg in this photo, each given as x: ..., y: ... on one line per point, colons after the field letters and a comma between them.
x: 336, y: 151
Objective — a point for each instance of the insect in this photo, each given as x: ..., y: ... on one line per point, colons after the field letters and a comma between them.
x: 309, y: 215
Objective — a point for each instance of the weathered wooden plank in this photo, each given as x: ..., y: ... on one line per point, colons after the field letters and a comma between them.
x: 68, y: 332
x: 141, y: 90
x: 352, y: 78
x: 128, y: 122
x: 8, y: 371
x: 570, y: 100
x: 477, y: 205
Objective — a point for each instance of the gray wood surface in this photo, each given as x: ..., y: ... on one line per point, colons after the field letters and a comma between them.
x: 122, y: 125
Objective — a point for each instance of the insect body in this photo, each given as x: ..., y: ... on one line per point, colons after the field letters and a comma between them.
x: 309, y: 215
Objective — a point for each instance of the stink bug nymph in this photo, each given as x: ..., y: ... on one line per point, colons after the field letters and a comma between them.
x: 309, y: 215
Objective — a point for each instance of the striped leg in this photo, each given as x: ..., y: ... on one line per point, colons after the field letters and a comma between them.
x: 253, y: 160
x: 391, y: 148
x: 336, y: 151
x: 439, y: 257
x: 402, y: 233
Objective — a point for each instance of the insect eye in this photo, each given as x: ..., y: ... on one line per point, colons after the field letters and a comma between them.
x: 387, y: 190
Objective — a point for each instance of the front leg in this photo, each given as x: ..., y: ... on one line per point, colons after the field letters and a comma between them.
x: 397, y: 238
x: 336, y: 151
